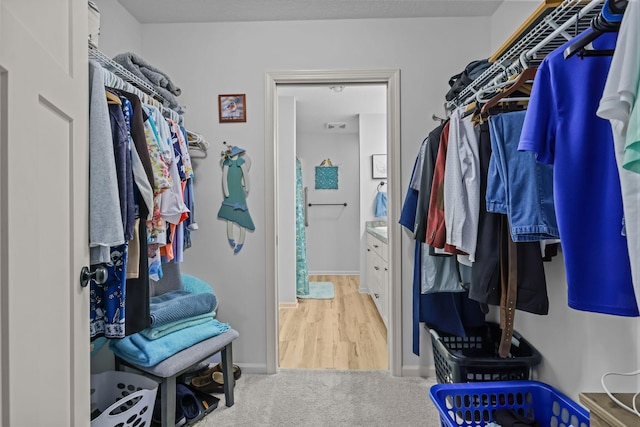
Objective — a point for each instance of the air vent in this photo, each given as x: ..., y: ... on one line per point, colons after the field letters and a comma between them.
x: 335, y: 125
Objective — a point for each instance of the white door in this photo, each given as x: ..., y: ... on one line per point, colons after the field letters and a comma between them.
x: 44, y: 313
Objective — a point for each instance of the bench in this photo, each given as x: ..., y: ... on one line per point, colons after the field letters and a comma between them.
x: 167, y: 371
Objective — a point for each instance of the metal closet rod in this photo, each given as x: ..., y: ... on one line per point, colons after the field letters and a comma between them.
x: 328, y: 204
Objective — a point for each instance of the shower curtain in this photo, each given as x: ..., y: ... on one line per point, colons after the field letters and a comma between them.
x: 302, y: 272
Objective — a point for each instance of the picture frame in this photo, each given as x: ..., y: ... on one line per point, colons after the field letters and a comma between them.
x: 232, y: 108
x: 379, y: 166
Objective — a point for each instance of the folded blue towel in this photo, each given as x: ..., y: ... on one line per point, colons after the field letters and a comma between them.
x: 176, y: 305
x: 381, y: 204
x: 141, y: 351
x: 195, y: 284
x: 156, y: 332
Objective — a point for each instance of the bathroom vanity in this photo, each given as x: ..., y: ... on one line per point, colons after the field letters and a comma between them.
x: 377, y: 269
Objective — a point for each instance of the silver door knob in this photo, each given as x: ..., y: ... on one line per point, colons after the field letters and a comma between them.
x: 98, y: 275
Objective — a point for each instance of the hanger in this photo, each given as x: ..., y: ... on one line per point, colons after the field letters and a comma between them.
x: 112, y: 98
x: 525, y: 76
x: 438, y: 119
x: 607, y: 21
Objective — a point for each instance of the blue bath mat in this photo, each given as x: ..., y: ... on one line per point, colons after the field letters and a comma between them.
x: 319, y: 290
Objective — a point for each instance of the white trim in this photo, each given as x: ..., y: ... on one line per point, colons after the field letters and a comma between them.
x: 419, y: 371
x: 288, y: 304
x: 334, y: 273
x: 392, y: 79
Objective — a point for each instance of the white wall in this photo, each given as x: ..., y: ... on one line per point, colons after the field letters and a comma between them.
x: 578, y: 347
x: 119, y: 31
x: 333, y: 243
x: 373, y: 140
x: 287, y: 199
x: 507, y: 18
x: 211, y: 59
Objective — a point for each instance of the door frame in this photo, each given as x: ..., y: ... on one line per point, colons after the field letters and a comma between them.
x: 392, y: 80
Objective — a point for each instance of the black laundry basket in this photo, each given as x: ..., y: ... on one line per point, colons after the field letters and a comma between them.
x: 475, y: 358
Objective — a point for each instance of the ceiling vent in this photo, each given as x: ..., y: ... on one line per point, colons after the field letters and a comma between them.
x: 335, y: 125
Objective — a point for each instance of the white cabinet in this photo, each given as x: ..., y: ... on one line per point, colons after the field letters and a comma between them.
x: 378, y: 274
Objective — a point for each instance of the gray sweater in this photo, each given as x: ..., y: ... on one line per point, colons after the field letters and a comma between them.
x: 105, y: 221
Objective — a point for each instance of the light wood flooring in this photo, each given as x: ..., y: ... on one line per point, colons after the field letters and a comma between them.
x: 345, y: 333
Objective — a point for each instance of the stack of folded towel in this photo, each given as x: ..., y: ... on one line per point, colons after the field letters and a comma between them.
x: 153, y: 76
x: 179, y: 319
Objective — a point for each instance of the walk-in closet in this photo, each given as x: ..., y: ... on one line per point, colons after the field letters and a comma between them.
x: 142, y: 166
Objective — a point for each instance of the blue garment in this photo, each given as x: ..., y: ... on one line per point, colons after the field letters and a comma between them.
x: 124, y: 172
x: 562, y: 128
x: 408, y: 212
x: 107, y: 301
x: 381, y: 204
x: 190, y: 222
x: 518, y: 185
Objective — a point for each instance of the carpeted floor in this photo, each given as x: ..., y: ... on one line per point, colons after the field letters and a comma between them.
x: 310, y: 398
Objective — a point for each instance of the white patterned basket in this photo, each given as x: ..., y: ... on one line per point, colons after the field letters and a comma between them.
x: 122, y: 398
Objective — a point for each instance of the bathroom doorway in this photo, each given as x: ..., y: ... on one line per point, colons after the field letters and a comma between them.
x: 274, y: 210
x: 328, y: 320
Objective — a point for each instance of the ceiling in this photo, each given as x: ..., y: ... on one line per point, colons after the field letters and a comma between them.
x: 188, y: 11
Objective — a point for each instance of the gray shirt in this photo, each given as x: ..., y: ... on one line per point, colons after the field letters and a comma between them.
x: 105, y: 221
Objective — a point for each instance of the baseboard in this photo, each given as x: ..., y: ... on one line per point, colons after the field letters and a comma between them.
x: 419, y: 371
x: 407, y: 370
x: 253, y: 368
x: 288, y: 304
x: 334, y: 273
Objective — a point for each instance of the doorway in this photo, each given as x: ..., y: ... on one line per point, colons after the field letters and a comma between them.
x: 330, y: 320
x: 390, y: 78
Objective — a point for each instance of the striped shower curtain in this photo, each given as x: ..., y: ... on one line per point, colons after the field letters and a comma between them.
x: 302, y: 272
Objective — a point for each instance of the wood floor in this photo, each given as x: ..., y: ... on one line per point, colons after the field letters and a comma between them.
x: 345, y: 333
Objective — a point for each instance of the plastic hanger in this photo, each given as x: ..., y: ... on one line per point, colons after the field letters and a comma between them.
x: 608, y: 20
x: 525, y: 76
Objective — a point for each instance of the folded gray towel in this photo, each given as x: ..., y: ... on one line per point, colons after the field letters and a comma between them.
x: 176, y: 305
x: 146, y: 72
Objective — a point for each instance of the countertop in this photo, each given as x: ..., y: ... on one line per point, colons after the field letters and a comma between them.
x: 378, y: 229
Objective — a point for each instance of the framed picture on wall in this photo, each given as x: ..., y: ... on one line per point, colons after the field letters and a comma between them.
x: 232, y: 108
x: 379, y: 166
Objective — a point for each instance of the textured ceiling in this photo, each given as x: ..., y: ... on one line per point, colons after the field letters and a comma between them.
x: 175, y: 11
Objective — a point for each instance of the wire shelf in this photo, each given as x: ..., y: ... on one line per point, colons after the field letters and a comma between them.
x: 124, y: 74
x: 561, y: 24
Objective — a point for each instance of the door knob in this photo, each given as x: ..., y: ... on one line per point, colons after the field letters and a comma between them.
x: 98, y: 275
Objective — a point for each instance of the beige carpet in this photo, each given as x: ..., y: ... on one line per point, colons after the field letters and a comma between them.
x: 310, y: 398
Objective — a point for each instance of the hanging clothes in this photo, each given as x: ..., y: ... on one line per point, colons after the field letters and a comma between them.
x: 619, y: 104
x: 105, y: 220
x: 129, y: 176
x: 461, y: 188
x: 450, y: 312
x: 562, y: 128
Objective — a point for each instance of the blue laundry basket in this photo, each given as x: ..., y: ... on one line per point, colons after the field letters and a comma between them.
x: 473, y: 404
